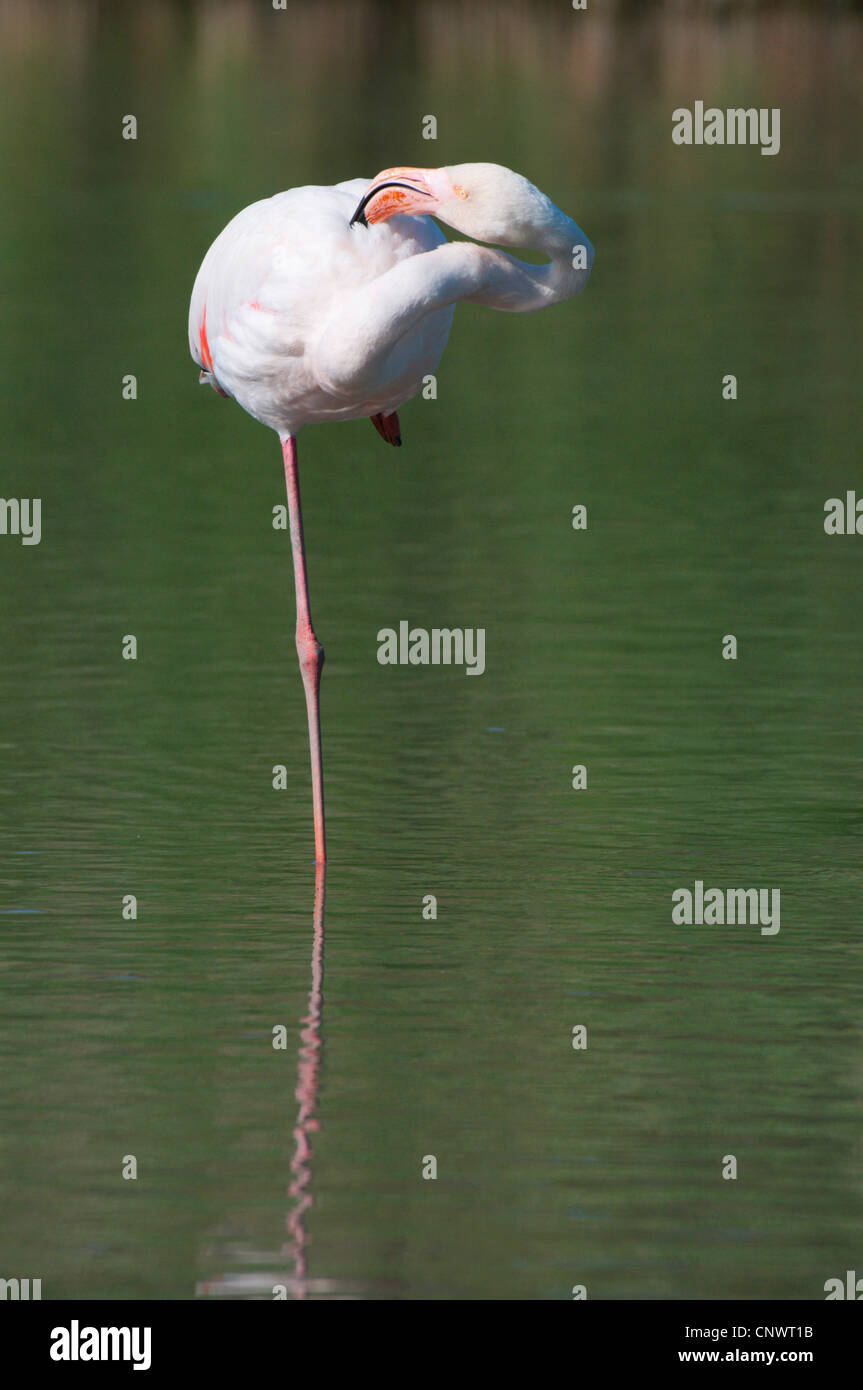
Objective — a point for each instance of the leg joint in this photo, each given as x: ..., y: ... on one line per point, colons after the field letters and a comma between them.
x: 311, y: 654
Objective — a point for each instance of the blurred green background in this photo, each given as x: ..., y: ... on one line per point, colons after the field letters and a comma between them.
x: 449, y: 1037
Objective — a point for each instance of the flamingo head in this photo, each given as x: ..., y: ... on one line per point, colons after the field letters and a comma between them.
x: 408, y: 191
x: 485, y: 201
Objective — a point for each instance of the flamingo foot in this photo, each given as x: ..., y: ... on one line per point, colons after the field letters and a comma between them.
x: 387, y: 427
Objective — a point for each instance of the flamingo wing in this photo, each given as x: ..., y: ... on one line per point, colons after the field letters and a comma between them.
x: 275, y: 277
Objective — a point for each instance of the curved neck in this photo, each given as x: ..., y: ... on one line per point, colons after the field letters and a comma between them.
x: 517, y: 287
x: 360, y: 344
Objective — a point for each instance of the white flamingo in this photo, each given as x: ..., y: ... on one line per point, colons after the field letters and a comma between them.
x: 334, y: 303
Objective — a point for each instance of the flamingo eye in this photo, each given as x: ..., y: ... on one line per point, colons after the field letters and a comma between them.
x: 459, y: 191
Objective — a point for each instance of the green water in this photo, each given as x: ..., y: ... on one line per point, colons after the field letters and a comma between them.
x: 449, y: 1037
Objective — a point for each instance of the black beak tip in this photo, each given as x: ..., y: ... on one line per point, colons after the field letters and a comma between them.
x: 360, y: 214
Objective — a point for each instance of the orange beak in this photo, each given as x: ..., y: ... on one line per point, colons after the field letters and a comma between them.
x: 394, y: 191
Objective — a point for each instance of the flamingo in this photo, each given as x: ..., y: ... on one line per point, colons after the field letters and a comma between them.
x: 335, y: 303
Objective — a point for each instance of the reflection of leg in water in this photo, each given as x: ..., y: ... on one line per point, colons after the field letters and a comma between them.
x: 308, y: 1062
x: 271, y: 1273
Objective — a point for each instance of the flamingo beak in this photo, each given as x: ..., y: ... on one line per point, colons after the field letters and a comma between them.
x: 405, y: 191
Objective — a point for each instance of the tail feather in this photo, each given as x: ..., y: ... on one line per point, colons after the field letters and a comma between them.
x: 207, y: 379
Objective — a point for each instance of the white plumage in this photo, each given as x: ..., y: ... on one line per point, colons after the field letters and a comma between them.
x: 277, y: 277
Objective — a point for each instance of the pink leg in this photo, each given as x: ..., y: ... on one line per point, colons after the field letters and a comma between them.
x: 309, y: 649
